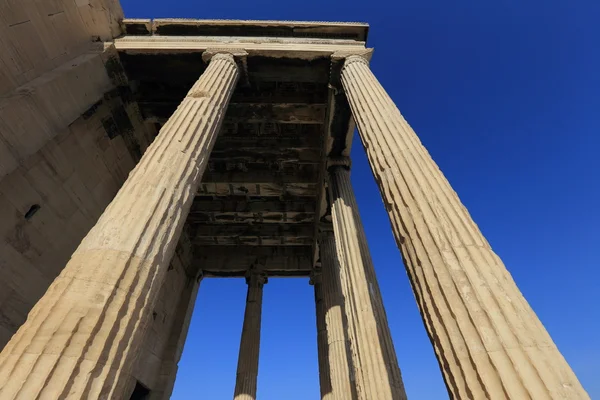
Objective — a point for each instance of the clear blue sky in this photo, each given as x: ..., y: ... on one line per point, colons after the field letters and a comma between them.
x: 506, y: 97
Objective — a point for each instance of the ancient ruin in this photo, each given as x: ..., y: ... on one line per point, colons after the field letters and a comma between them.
x: 138, y: 157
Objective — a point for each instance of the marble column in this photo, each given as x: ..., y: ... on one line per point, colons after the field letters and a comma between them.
x: 247, y: 369
x: 488, y: 341
x: 324, y: 373
x: 333, y: 344
x: 376, y: 368
x: 82, y: 338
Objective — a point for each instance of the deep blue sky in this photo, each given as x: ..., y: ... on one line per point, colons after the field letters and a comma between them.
x: 506, y: 97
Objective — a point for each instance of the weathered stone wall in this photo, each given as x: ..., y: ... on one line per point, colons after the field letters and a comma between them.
x: 34, y: 113
x: 38, y: 36
x: 65, y: 139
x: 72, y: 178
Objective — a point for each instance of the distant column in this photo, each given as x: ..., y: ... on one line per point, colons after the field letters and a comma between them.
x: 335, y: 360
x: 375, y: 364
x: 488, y: 341
x: 81, y: 339
x: 323, y: 356
x: 247, y: 369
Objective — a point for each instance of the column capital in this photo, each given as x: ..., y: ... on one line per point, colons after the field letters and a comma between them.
x: 339, y: 60
x: 345, y: 55
x: 354, y: 59
x: 256, y: 278
x: 344, y: 162
x: 237, y: 56
x: 325, y: 231
x: 315, y: 276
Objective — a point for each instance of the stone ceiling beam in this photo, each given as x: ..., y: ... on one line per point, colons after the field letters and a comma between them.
x: 269, y: 155
x: 248, y: 112
x: 250, y: 230
x: 231, y: 261
x: 260, y: 142
x: 340, y: 31
x: 257, y: 188
x: 261, y: 177
x: 241, y: 204
x: 272, y: 217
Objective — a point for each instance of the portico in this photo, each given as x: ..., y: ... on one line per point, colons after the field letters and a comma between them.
x: 250, y: 174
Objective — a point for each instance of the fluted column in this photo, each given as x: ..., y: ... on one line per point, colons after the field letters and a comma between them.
x: 81, y: 339
x: 488, y: 341
x: 322, y: 351
x: 335, y: 361
x: 247, y: 369
x: 375, y: 364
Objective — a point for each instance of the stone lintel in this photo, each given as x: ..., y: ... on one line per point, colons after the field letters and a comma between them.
x: 356, y: 31
x: 137, y: 26
x: 302, y: 49
x: 251, y: 113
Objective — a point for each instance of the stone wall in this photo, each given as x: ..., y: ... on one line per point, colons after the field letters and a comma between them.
x: 48, y: 204
x: 39, y: 36
x: 62, y: 153
x: 70, y: 133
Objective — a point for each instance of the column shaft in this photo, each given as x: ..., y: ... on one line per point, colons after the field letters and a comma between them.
x: 335, y: 360
x: 81, y: 339
x: 247, y: 369
x: 488, y: 340
x: 376, y: 368
x: 322, y: 348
